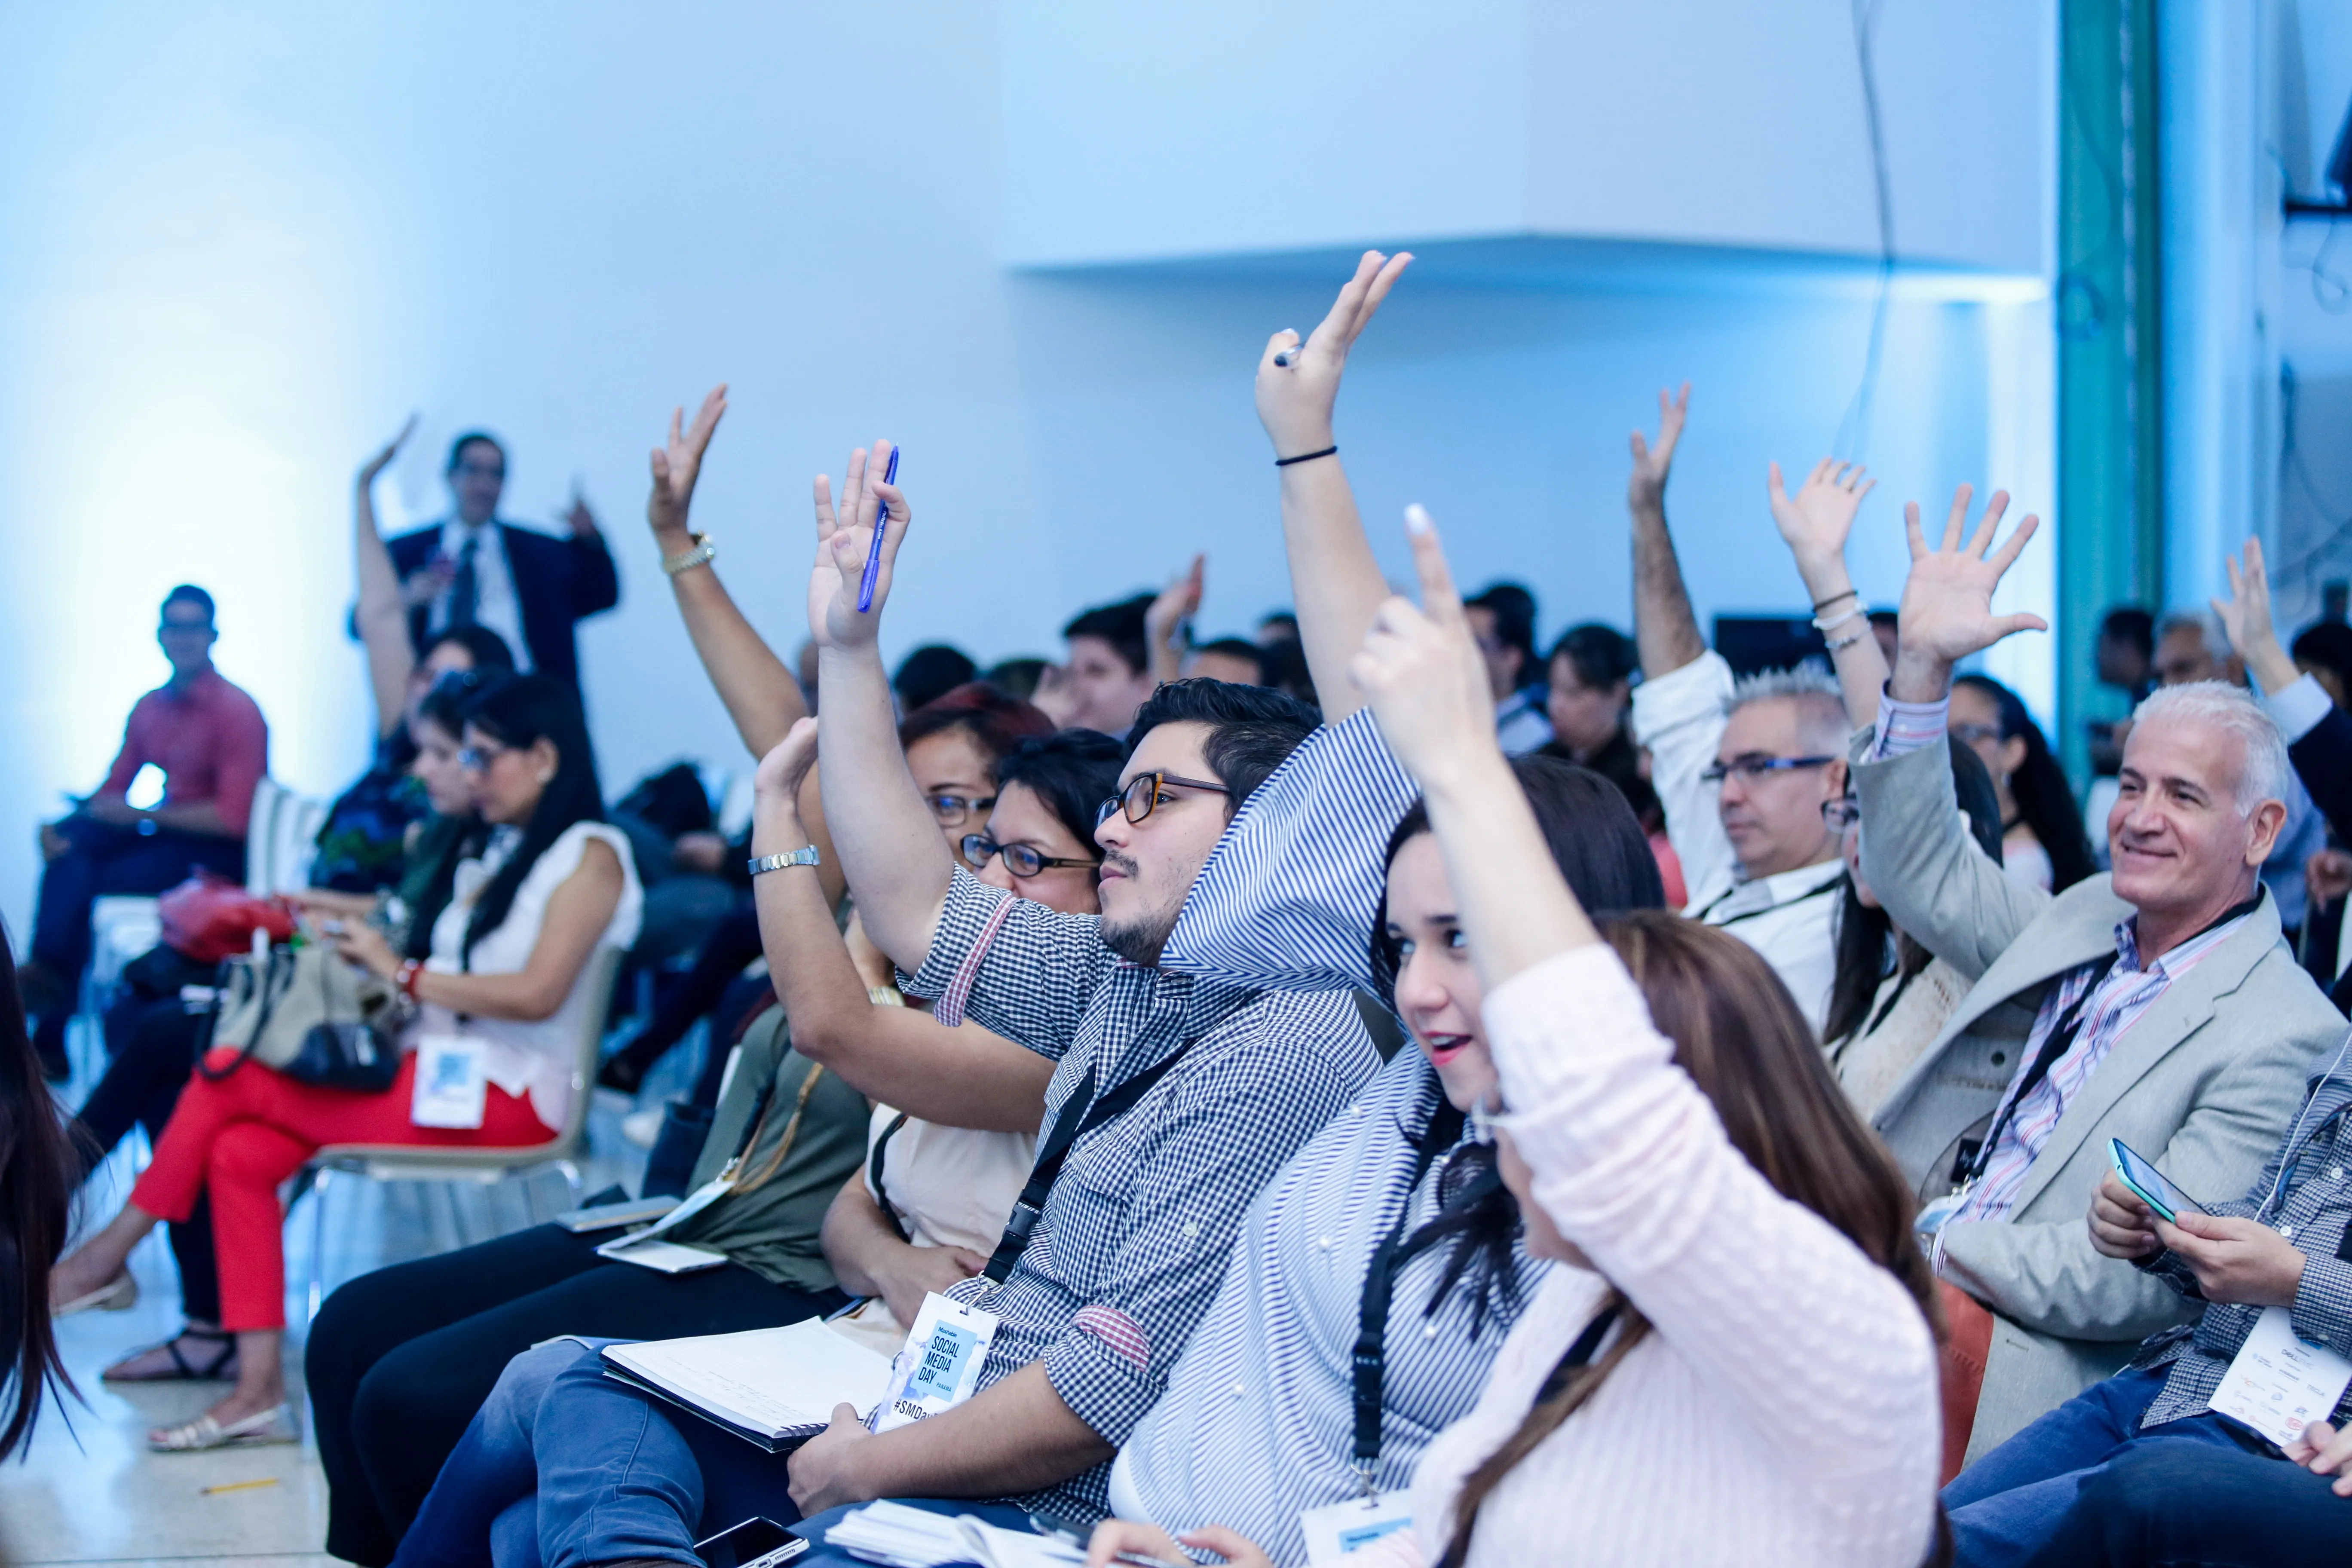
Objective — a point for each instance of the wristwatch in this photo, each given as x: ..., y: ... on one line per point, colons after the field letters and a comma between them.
x: 687, y: 560
x: 805, y: 855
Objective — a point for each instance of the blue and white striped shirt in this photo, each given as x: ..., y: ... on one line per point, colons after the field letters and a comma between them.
x: 1257, y: 1422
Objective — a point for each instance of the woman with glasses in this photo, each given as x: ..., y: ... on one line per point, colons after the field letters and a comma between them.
x: 2043, y: 843
x: 492, y: 964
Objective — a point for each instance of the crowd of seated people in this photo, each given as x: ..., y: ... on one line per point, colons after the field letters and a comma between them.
x: 1380, y: 1087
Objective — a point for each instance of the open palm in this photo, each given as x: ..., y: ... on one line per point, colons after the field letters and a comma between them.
x: 677, y: 465
x: 1815, y: 522
x: 1947, y: 611
x: 844, y: 536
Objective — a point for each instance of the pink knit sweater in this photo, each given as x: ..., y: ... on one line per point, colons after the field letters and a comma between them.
x: 1783, y: 1407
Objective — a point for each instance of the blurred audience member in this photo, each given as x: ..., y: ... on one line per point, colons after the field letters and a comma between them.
x: 928, y: 673
x: 1883, y: 627
x: 1284, y: 661
x: 1013, y: 677
x: 1276, y: 625
x: 474, y: 569
x: 1109, y: 670
x: 2126, y: 654
x: 1168, y: 623
x: 208, y: 739
x: 2323, y: 650
x: 34, y: 1194
x: 1587, y: 697
x: 2043, y: 843
x: 1503, y: 618
x: 1235, y: 660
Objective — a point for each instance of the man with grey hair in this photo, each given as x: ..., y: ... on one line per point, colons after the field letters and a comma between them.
x: 2156, y: 1005
x: 1743, y: 770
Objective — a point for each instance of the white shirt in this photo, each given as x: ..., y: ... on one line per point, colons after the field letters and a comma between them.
x: 1520, y: 722
x: 1789, y: 918
x: 540, y: 1057
x: 495, y: 605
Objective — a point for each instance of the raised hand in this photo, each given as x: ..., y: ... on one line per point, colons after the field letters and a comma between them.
x: 1421, y: 671
x: 1816, y: 521
x: 383, y: 460
x: 1164, y: 622
x: 1947, y: 611
x: 843, y: 538
x: 778, y: 778
x: 1646, y: 490
x: 2246, y: 617
x: 677, y: 466
x: 1295, y: 397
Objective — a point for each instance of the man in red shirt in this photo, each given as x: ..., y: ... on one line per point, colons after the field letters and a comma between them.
x: 208, y: 738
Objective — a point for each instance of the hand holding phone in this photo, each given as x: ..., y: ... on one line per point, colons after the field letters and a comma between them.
x: 2153, y: 1187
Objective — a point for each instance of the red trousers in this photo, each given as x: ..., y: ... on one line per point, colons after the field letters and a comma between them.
x: 240, y: 1137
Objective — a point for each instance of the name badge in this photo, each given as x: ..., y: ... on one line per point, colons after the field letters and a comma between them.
x: 1340, y: 1528
x: 1933, y: 1214
x: 939, y: 1367
x: 2278, y: 1383
x: 452, y: 1082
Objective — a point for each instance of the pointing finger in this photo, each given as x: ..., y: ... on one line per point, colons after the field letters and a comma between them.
x: 1439, y: 598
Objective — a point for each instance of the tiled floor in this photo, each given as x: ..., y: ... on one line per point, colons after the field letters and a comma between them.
x: 89, y: 1492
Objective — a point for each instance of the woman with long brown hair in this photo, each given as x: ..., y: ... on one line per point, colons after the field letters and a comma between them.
x: 35, y: 1185
x: 1733, y: 1358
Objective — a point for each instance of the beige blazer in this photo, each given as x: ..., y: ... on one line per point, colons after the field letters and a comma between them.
x: 2204, y: 1084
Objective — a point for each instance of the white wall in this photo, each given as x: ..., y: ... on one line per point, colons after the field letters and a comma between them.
x: 244, y: 240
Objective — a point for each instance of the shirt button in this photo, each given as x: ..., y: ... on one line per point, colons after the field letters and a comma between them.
x: 2287, y: 1233
x: 1323, y: 1242
x: 2335, y: 1172
x: 1238, y: 1391
x: 1429, y: 1332
x: 1191, y: 1230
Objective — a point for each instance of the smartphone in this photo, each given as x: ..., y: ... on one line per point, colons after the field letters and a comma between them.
x: 757, y: 1543
x: 2153, y: 1188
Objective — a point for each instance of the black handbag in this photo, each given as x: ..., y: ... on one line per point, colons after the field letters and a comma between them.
x: 307, y: 1013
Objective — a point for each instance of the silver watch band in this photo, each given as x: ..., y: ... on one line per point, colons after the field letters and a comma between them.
x: 805, y: 855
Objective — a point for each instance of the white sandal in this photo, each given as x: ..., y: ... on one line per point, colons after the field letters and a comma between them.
x: 118, y: 1294
x: 275, y: 1424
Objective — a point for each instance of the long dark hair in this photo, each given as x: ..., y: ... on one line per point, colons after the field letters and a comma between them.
x: 1739, y: 1036
x: 1865, y: 934
x: 2046, y: 801
x: 1597, y: 844
x: 518, y: 712
x: 36, y: 1189
x: 1072, y: 773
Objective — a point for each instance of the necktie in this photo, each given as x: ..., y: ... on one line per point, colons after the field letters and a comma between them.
x: 465, y: 589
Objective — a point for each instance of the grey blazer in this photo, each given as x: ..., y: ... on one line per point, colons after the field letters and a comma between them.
x: 2204, y: 1084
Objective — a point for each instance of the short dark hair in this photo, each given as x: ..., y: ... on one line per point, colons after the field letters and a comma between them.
x: 1601, y: 655
x: 1514, y: 609
x: 1252, y: 728
x: 932, y: 670
x: 1120, y: 625
x: 1282, y: 664
x: 458, y: 448
x: 997, y: 723
x: 2130, y: 623
x: 1017, y: 677
x: 490, y: 649
x: 2327, y: 644
x: 189, y: 593
x: 1072, y: 770
x: 1239, y: 647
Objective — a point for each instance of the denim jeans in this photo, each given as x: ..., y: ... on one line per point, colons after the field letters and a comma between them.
x: 2008, y: 1505
x: 2175, y: 1505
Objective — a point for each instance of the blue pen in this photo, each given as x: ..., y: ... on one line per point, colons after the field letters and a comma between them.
x: 874, y: 552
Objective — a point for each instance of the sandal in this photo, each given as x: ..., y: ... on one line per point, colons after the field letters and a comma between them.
x: 118, y: 1294
x: 275, y: 1424
x: 219, y: 1369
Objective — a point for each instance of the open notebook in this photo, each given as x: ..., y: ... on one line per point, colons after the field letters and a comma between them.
x: 775, y: 1387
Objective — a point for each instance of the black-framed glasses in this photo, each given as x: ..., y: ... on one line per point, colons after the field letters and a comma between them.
x: 955, y: 810
x: 1020, y: 859
x: 1147, y: 792
x: 1841, y: 813
x: 1752, y: 768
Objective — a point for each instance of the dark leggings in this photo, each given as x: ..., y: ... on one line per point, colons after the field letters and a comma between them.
x: 399, y: 1360
x: 141, y: 1088
x: 727, y: 951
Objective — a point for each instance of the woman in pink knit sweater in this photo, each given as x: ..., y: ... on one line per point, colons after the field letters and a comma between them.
x: 1742, y: 1331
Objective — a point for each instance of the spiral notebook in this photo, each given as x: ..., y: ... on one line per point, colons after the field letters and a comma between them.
x: 772, y: 1387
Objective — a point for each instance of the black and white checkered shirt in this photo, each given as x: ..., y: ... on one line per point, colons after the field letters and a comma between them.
x: 1137, y: 1230
x: 2312, y: 1176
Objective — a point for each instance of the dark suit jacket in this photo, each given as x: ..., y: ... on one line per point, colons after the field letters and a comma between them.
x: 2322, y: 761
x: 557, y: 582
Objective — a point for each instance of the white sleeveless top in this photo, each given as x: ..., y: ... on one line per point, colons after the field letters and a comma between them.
x: 534, y: 1059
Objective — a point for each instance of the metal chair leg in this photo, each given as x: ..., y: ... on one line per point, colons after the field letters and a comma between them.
x: 317, y: 1291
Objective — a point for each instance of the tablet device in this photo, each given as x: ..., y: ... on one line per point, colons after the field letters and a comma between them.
x: 2153, y: 1186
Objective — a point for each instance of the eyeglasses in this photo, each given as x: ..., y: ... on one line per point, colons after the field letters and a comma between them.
x: 1841, y: 813
x: 1019, y: 858
x: 955, y: 810
x: 1751, y: 769
x: 1969, y: 735
x: 1146, y: 792
x: 185, y: 628
x: 480, y: 470
x: 480, y: 759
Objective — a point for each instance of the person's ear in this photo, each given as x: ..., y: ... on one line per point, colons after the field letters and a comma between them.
x: 1833, y: 780
x: 545, y: 760
x: 2263, y: 830
x: 2012, y: 754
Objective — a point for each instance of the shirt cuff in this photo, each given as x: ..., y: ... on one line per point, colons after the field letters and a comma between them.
x: 1100, y: 1368
x: 964, y: 920
x: 1695, y: 691
x: 2322, y: 1308
x: 1905, y: 727
x: 2298, y: 709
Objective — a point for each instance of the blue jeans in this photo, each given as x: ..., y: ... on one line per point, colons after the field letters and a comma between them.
x: 2008, y: 1505
x: 565, y: 1467
x: 2175, y: 1505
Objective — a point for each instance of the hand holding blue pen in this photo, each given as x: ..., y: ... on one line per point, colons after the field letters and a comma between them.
x: 874, y: 550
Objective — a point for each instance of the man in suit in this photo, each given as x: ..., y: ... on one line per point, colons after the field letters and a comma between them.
x: 2156, y: 1003
x: 472, y: 568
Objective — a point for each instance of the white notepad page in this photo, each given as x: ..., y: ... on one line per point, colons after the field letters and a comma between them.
x: 770, y: 1380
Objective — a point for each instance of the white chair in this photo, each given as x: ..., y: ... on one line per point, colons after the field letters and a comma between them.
x: 482, y: 1167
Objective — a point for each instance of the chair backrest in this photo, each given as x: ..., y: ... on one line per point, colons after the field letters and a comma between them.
x: 603, y: 965
x: 281, y: 839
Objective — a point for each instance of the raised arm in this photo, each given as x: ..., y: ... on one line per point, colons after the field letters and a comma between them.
x: 1814, y: 524
x: 1334, y: 579
x: 889, y: 845
x: 1664, y: 629
x: 963, y: 1077
x: 1947, y: 610
x: 1165, y: 623
x: 760, y: 694
x: 382, y: 617
x: 2246, y: 617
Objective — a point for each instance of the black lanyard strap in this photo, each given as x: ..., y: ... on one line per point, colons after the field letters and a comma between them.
x: 1443, y: 1131
x: 1579, y: 1356
x: 874, y: 1178
x: 1067, y: 1130
x: 2056, y: 1044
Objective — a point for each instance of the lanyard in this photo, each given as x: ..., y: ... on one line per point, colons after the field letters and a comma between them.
x: 1834, y: 885
x: 874, y: 1178
x: 2054, y: 1045
x: 1443, y: 1131
x: 1067, y: 1130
